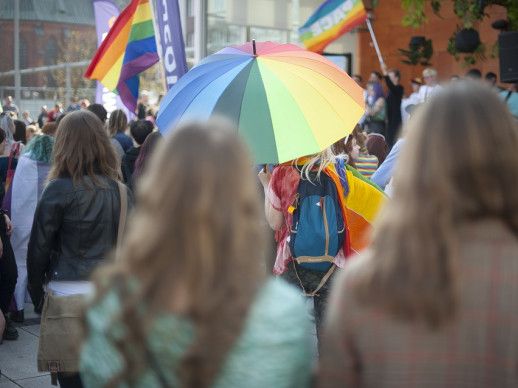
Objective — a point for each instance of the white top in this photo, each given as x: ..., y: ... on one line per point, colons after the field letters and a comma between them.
x: 67, y: 288
x: 425, y: 92
x: 412, y: 99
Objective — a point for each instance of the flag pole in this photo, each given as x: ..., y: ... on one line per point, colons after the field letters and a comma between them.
x: 380, y: 58
x: 158, y: 46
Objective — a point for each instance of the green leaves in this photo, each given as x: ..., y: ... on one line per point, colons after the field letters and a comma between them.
x: 415, y: 16
x: 467, y: 11
x: 418, y: 54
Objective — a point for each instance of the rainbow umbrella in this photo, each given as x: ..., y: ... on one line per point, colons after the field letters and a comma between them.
x: 286, y: 102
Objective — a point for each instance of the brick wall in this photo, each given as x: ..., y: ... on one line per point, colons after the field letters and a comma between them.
x: 391, y: 35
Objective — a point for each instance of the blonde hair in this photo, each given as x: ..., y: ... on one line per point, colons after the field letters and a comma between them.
x: 82, y: 148
x: 32, y: 130
x: 321, y: 160
x: 459, y: 165
x: 430, y: 72
x: 196, y: 232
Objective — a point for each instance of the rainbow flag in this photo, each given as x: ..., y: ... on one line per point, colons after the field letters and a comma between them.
x: 128, y: 49
x: 331, y: 20
x: 363, y: 202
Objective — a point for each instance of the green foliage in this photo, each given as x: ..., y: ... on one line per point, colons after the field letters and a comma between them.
x: 468, y: 12
x: 468, y: 59
x: 415, y: 16
x: 371, y: 3
x: 418, y: 54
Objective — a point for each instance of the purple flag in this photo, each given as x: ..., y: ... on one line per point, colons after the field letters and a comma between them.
x: 106, y: 12
x: 171, y: 40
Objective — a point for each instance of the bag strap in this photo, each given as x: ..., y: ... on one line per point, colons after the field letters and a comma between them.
x: 123, y: 212
x: 509, y: 93
x: 320, y: 285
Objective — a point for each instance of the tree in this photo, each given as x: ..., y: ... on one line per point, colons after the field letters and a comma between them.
x: 468, y: 12
x: 76, y: 47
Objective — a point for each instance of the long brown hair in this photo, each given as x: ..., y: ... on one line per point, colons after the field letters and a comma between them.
x: 82, y: 148
x: 195, y: 246
x: 459, y: 164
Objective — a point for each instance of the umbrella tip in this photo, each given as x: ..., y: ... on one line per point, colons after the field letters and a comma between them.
x: 253, y: 46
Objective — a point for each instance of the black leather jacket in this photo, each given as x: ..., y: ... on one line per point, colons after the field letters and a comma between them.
x: 73, y: 230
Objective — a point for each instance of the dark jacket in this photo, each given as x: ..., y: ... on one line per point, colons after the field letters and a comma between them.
x: 394, y: 97
x: 73, y: 230
x: 128, y: 162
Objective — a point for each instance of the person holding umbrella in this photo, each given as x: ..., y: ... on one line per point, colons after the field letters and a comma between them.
x: 280, y: 189
x: 284, y: 208
x: 286, y: 103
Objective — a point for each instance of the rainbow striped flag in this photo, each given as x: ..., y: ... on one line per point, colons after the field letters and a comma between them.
x: 331, y: 20
x: 128, y: 49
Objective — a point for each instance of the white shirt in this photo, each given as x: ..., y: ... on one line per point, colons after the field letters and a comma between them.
x: 67, y: 288
x: 425, y: 92
x: 413, y: 99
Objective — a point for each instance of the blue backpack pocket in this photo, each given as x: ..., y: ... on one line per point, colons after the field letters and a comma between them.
x: 318, y: 229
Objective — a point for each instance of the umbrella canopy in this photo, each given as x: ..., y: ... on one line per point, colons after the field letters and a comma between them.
x: 286, y: 102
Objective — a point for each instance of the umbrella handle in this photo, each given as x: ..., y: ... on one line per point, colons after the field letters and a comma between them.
x: 253, y: 47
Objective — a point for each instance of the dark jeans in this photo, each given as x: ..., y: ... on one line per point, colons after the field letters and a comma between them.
x: 8, y: 271
x: 310, y: 280
x: 70, y: 380
x: 392, y: 134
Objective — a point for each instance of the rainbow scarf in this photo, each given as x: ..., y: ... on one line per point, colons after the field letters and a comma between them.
x: 128, y: 49
x: 360, y: 200
x: 331, y: 20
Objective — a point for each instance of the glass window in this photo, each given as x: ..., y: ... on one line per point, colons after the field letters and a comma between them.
x: 220, y: 34
x: 190, y: 8
x: 217, y: 6
x: 23, y: 58
x: 190, y: 40
x: 51, y: 56
x: 263, y: 34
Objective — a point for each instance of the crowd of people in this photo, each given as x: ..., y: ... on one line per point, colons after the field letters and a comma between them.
x: 411, y: 281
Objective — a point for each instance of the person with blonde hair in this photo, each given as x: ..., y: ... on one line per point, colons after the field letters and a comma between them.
x: 433, y: 301
x: 430, y: 86
x: 281, y: 194
x: 186, y: 302
x: 76, y: 221
x: 31, y: 131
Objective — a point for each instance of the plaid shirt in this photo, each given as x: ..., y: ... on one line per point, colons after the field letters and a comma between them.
x: 364, y: 347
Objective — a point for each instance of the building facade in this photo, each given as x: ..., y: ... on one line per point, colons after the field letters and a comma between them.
x: 46, y: 26
x: 391, y: 36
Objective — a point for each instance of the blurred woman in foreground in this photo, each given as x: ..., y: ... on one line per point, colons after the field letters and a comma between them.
x: 186, y: 304
x: 433, y: 301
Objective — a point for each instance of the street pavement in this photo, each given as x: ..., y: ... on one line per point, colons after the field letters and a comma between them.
x: 18, y: 358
